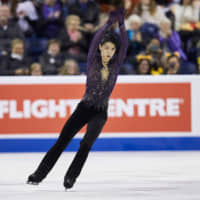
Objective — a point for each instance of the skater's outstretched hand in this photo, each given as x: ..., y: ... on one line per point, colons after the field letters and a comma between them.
x: 121, y: 15
x: 113, y: 16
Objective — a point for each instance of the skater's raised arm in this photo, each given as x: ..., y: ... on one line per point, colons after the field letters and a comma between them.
x: 99, y: 35
x: 123, y: 37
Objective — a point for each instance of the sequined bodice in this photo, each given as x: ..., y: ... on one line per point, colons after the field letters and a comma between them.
x: 99, y: 90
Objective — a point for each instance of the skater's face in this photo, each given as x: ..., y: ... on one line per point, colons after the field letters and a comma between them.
x: 107, y: 50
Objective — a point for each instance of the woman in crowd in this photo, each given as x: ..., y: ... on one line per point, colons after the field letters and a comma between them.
x: 170, y: 39
x: 73, y: 41
x: 149, y: 11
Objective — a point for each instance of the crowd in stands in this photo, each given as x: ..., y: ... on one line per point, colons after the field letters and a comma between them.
x: 52, y: 37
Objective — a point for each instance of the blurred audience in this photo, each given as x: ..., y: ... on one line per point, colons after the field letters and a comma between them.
x: 143, y: 64
x: 70, y: 67
x: 8, y: 29
x: 186, y: 21
x: 149, y: 11
x: 56, y: 34
x: 186, y: 14
x: 52, y: 60
x: 172, y: 64
x: 155, y: 51
x: 16, y: 62
x: 27, y: 17
x: 50, y: 18
x: 170, y: 39
x: 73, y: 41
x: 36, y: 69
x: 88, y: 11
x: 136, y: 45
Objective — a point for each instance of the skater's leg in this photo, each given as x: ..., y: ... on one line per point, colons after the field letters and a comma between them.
x: 77, y: 120
x: 94, y: 128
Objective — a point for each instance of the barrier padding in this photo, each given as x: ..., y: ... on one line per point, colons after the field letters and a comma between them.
x: 105, y: 144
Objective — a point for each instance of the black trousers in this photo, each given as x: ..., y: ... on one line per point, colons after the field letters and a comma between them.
x: 82, y: 115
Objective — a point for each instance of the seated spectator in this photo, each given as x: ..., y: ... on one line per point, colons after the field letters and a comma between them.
x: 186, y: 15
x: 52, y: 60
x: 170, y: 40
x: 133, y: 24
x: 155, y: 51
x: 136, y: 45
x: 143, y: 64
x: 174, y: 65
x: 27, y: 17
x: 73, y: 42
x: 50, y: 18
x: 186, y: 19
x: 88, y: 11
x: 16, y: 63
x: 70, y: 67
x: 8, y: 29
x: 149, y: 11
x: 36, y: 69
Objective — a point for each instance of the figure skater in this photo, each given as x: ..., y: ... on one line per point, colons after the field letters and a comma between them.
x: 106, y: 54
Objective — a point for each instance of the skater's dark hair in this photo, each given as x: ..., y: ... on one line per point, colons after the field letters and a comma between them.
x: 111, y: 36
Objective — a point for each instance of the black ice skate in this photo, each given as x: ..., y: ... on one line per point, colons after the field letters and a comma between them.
x: 69, y: 182
x: 33, y: 179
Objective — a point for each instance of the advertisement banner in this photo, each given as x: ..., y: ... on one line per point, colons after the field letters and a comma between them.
x: 133, y: 107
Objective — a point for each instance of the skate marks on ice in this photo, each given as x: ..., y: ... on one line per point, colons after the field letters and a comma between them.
x: 106, y: 176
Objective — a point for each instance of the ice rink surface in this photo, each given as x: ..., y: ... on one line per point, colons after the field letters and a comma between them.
x: 106, y: 176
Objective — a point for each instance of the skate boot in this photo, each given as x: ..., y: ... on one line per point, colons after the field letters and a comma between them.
x: 69, y: 182
x: 35, y: 178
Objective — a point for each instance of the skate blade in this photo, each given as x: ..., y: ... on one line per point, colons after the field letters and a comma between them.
x: 32, y: 183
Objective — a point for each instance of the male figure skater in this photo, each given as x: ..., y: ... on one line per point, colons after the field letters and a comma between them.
x: 103, y: 65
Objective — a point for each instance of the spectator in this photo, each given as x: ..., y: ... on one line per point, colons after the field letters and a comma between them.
x: 52, y: 60
x: 88, y: 11
x: 186, y: 18
x: 8, y: 29
x: 136, y: 45
x: 133, y: 24
x: 36, y: 69
x: 149, y: 11
x: 173, y: 64
x: 143, y: 64
x: 70, y: 67
x: 155, y: 51
x: 73, y: 41
x: 186, y: 15
x: 27, y: 17
x: 51, y: 19
x: 170, y: 39
x: 16, y: 63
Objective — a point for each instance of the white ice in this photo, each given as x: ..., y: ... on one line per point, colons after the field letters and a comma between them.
x: 106, y: 176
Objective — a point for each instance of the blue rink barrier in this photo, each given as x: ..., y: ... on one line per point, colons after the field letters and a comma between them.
x: 105, y: 144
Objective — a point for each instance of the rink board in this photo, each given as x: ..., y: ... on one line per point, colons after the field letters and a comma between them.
x: 145, y: 113
x: 106, y: 144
